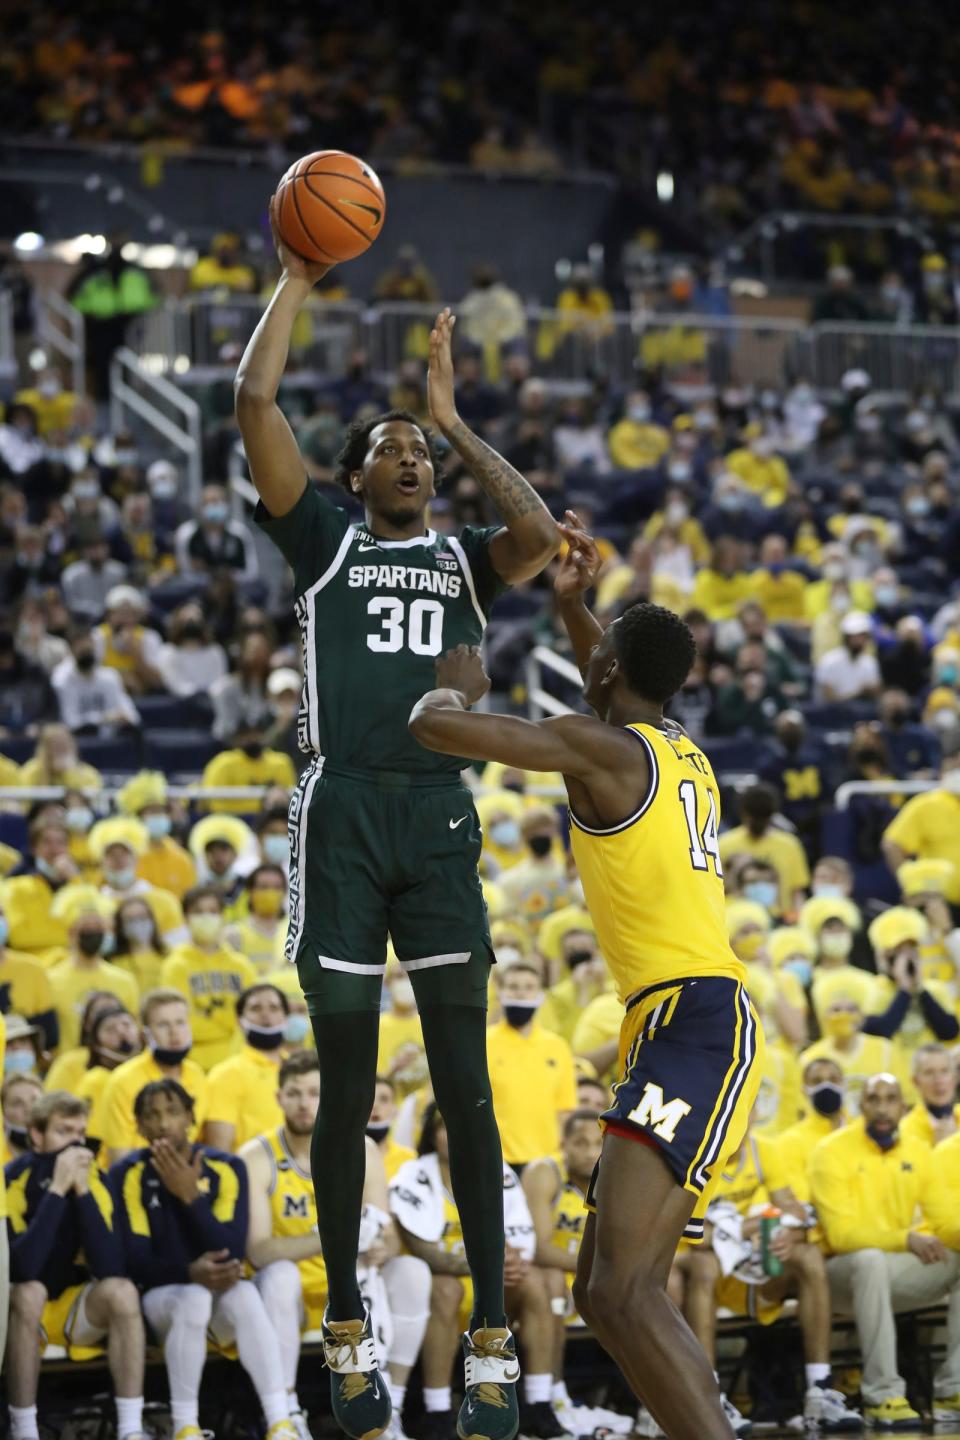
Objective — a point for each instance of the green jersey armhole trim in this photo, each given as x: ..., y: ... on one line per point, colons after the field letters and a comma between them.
x: 647, y: 802
x: 461, y: 555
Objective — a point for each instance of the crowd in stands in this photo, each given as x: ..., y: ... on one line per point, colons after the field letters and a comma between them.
x: 813, y: 544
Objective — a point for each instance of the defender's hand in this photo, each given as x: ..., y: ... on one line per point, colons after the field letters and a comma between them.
x: 443, y: 409
x: 462, y: 669
x: 293, y: 264
x: 580, y: 565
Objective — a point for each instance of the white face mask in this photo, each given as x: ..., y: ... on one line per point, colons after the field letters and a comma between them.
x: 837, y: 944
x: 951, y: 780
x: 401, y: 993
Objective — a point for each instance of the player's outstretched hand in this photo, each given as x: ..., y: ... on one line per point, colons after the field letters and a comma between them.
x: 462, y: 669
x: 443, y: 407
x: 292, y: 263
x: 580, y: 564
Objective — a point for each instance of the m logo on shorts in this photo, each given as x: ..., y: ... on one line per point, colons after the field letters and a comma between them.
x: 295, y: 1205
x: 662, y: 1116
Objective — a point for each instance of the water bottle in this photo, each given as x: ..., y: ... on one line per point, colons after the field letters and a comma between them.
x: 769, y: 1225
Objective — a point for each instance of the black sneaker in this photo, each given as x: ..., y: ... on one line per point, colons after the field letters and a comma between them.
x: 439, y: 1425
x: 538, y: 1422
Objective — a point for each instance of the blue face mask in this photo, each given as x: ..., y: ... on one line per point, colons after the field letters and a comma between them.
x: 800, y: 967
x: 296, y: 1029
x: 505, y: 833
x: 947, y: 674
x: 216, y: 512
x: 762, y: 892
x: 276, y: 849
x: 158, y: 826
x: 4, y: 929
x: 19, y: 1062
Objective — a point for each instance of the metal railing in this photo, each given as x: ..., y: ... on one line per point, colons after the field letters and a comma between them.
x: 162, y: 408
x: 540, y: 702
x: 8, y: 354
x: 60, y: 330
x: 896, y: 357
x: 846, y: 792
x: 763, y: 239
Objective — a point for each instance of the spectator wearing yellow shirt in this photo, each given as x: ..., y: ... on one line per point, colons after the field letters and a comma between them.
x: 722, y: 586
x: 138, y: 945
x: 242, y: 1090
x: 224, y: 268
x: 637, y: 442
x: 163, y: 863
x: 584, y: 307
x: 586, y: 977
x: 933, y: 1119
x: 67, y: 1069
x: 500, y: 813
x: 531, y: 1071
x: 18, y: 1095
x: 759, y: 836
x: 88, y: 918
x: 116, y: 844
x: 539, y: 883
x: 905, y: 1008
x: 858, y: 1055
x: 760, y: 468
x: 777, y: 588
x: 791, y: 949
x: 596, y: 1035
x: 216, y: 844
x: 24, y: 1042
x: 928, y: 827
x: 675, y: 515
x: 25, y: 989
x: 786, y: 1156
x: 923, y: 886
x: 835, y: 585
x: 868, y: 1183
x: 256, y: 934
x: 55, y: 407
x: 401, y: 1055
x: 940, y: 1203
x: 79, y: 819
x: 247, y: 763
x: 114, y: 1038
x: 165, y: 1018
x: 382, y: 1117
x: 28, y: 899
x: 210, y: 975
x: 777, y: 994
x: 55, y: 762
x: 831, y: 922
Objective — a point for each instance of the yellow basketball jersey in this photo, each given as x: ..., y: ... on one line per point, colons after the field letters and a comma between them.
x: 569, y: 1218
x: 293, y: 1207
x: 452, y: 1237
x: 654, y: 883
x: 741, y: 1183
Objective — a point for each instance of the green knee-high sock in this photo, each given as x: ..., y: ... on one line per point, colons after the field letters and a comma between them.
x: 347, y: 1049
x: 455, y: 1038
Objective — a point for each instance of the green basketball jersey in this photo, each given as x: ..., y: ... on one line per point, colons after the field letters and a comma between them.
x: 374, y: 615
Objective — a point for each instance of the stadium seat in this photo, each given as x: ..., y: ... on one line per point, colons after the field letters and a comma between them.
x: 160, y: 712
x: 179, y: 750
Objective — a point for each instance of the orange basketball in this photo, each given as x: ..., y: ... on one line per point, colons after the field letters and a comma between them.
x: 330, y: 207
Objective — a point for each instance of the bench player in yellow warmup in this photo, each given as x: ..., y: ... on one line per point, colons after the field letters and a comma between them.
x: 644, y: 807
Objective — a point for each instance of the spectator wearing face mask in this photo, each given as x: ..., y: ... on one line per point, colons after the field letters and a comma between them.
x: 928, y: 826
x: 675, y: 516
x: 935, y: 1116
x: 531, y: 1071
x: 786, y: 1156
x: 215, y: 542
x: 400, y: 1050
x: 169, y: 511
x: 904, y: 655
x: 257, y: 933
x: 216, y: 844
x: 247, y: 762
x: 241, y: 698
x: 33, y: 568
x: 165, y: 1022
x: 28, y: 897
x: 778, y: 588
x: 500, y: 813
x: 210, y: 975
x: 88, y: 581
x: 18, y: 1094
x: 637, y: 442
x: 114, y: 1038
x: 21, y: 1046
x: 851, y: 671
x: 116, y: 844
x: 586, y: 976
x: 779, y: 997
x: 904, y: 1007
x: 832, y: 922
x: 839, y: 1009
x: 796, y: 768
x: 88, y: 918
x: 539, y: 883
x: 124, y: 644
x: 759, y: 836
x: 792, y: 950
x: 722, y: 586
x: 164, y: 863
x: 763, y: 472
x: 69, y: 1066
x: 26, y: 697
x: 191, y: 661
x: 923, y: 886
x: 912, y: 748
x: 242, y: 1090
x: 138, y: 947
x: 91, y: 697
x: 55, y: 762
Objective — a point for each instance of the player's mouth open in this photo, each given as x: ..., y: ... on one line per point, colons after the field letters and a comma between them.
x: 408, y: 484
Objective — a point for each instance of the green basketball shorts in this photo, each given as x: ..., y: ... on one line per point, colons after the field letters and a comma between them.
x: 377, y: 854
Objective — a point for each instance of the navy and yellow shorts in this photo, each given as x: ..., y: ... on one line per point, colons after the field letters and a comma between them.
x: 691, y: 1054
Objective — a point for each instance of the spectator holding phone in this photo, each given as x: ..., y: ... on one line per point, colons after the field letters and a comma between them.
x: 906, y: 1008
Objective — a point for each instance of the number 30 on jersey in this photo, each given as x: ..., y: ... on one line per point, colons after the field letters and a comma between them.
x: 704, y: 840
x: 419, y: 625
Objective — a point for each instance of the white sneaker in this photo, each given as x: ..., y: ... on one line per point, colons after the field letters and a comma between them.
x: 828, y: 1410
x: 395, y: 1430
x: 645, y: 1423
x: 583, y: 1420
x: 738, y: 1423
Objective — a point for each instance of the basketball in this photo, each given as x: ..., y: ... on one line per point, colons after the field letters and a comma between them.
x: 330, y: 207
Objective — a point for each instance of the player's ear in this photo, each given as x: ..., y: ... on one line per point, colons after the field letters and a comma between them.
x: 611, y: 672
x: 356, y: 481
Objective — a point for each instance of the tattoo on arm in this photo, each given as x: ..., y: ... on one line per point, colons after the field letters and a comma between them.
x: 511, y: 494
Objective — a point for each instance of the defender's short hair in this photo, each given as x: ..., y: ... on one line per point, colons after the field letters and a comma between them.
x: 656, y: 650
x: 356, y: 443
